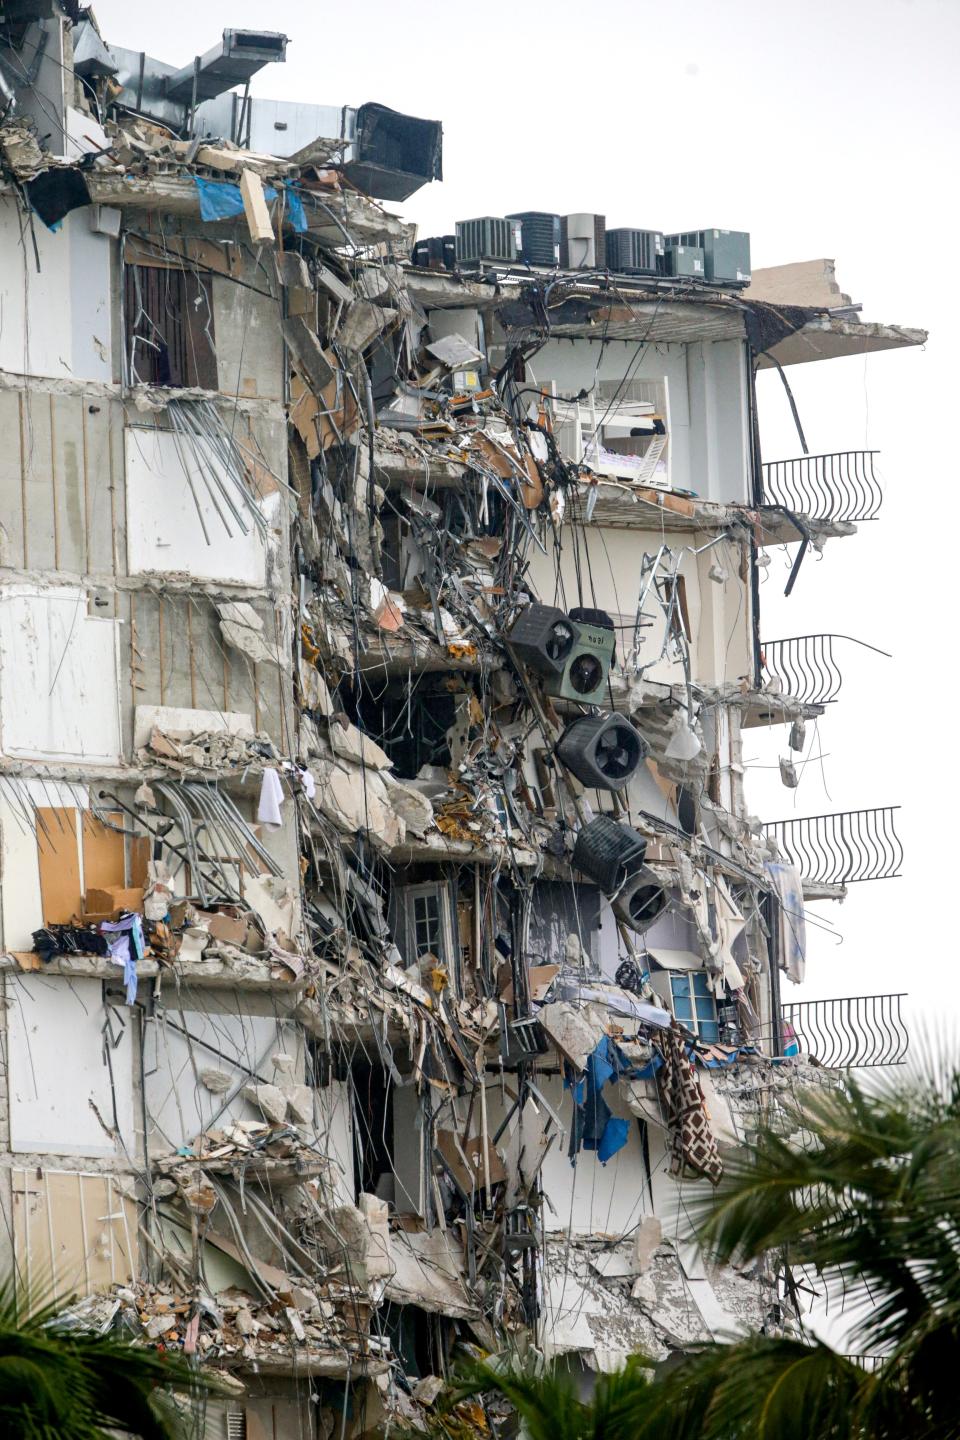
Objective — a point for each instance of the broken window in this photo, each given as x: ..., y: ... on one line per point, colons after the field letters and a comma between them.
x: 694, y: 1005
x: 169, y: 327
x: 411, y: 725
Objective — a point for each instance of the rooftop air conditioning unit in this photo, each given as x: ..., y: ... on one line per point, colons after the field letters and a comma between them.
x: 583, y: 242
x: 487, y: 238
x: 726, y: 253
x: 539, y: 237
x: 635, y: 252
x: 685, y: 262
x: 436, y: 252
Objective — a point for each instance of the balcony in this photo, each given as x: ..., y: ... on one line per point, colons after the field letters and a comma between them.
x: 806, y: 666
x: 841, y: 849
x: 858, y: 1030
x: 837, y: 487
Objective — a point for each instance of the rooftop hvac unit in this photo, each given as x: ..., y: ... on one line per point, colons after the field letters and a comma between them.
x: 726, y: 253
x: 685, y: 262
x: 539, y: 242
x: 488, y: 238
x: 583, y: 242
x: 437, y: 252
x: 635, y: 252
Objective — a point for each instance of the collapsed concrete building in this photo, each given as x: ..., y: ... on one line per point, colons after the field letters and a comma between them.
x: 388, y: 950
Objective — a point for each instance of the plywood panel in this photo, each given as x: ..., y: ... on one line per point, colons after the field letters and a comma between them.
x: 59, y: 859
x: 99, y: 487
x: 103, y: 854
x: 40, y: 517
x: 175, y: 649
x: 73, y: 1233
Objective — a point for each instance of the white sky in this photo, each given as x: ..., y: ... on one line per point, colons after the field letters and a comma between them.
x: 826, y: 129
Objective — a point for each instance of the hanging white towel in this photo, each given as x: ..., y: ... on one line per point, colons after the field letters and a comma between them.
x: 308, y: 784
x: 271, y: 798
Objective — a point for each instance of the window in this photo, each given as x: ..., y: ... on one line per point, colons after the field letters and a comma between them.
x: 694, y: 1005
x: 169, y: 327
x: 427, y: 937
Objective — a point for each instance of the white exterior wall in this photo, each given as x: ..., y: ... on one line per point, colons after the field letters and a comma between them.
x: 56, y: 322
x: 178, y: 1103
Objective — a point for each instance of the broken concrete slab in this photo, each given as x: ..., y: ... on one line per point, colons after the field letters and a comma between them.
x: 269, y: 1099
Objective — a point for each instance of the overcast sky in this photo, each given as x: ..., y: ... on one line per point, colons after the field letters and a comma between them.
x: 826, y: 129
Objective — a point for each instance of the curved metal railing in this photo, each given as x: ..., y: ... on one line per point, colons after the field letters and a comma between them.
x: 857, y: 1030
x: 806, y: 667
x: 841, y: 486
x: 843, y: 848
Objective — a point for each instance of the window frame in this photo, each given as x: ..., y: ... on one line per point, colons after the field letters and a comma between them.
x: 696, y: 997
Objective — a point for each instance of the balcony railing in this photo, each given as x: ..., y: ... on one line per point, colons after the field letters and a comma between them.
x: 841, y: 849
x: 841, y: 486
x: 806, y: 667
x: 862, y: 1030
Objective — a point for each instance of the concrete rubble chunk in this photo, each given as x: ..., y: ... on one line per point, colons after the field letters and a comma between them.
x: 361, y: 324
x: 349, y: 743
x: 574, y: 1034
x: 218, y: 1082
x: 646, y: 1238
x: 299, y: 1103
x: 414, y: 809
x: 243, y: 628
x: 308, y: 354
x: 269, y: 1099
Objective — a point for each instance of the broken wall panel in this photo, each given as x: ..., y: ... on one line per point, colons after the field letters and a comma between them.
x: 56, y: 321
x: 21, y: 904
x: 91, y: 1111
x: 65, y: 703
x: 250, y: 356
x: 59, y: 473
x: 233, y: 1045
x: 74, y: 1233
x: 175, y: 655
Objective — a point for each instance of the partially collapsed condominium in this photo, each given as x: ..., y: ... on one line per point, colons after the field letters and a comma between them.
x: 388, y: 950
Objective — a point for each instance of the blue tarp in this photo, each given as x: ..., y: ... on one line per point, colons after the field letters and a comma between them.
x: 221, y: 200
